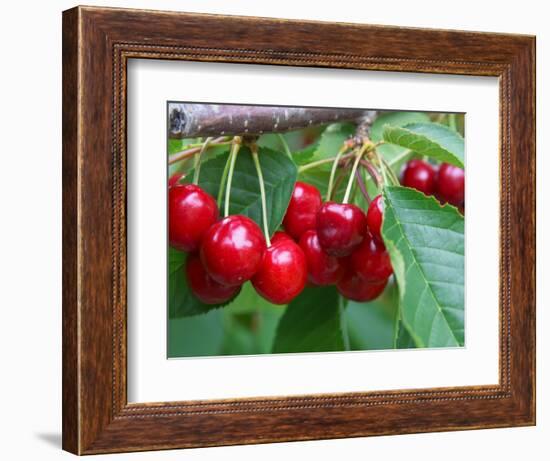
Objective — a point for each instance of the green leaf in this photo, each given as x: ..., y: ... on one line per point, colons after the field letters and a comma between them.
x: 181, y: 301
x: 311, y: 323
x: 332, y: 138
x: 430, y: 240
x: 430, y: 139
x: 371, y: 324
x: 403, y: 339
x: 197, y: 336
x: 392, y: 152
x: 279, y: 173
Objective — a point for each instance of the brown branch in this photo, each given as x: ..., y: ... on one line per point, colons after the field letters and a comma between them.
x: 193, y: 120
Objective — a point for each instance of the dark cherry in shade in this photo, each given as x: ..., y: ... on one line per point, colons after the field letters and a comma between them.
x: 301, y: 214
x: 375, y: 214
x: 191, y: 211
x: 419, y: 175
x: 322, y: 269
x: 450, y: 184
x: 283, y: 272
x: 204, y: 287
x: 340, y: 228
x: 232, y: 250
x: 173, y: 180
x: 371, y: 260
x: 353, y: 286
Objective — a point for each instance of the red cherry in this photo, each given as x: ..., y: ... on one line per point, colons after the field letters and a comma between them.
x: 340, y: 228
x: 191, y: 212
x: 375, y: 215
x: 371, y: 260
x: 173, y: 180
x: 301, y: 214
x: 419, y: 175
x: 279, y: 235
x: 232, y: 250
x: 450, y: 184
x: 322, y: 269
x: 352, y: 286
x: 283, y: 273
x: 204, y: 287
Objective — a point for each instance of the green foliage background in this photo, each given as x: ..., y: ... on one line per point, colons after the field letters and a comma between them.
x: 319, y: 319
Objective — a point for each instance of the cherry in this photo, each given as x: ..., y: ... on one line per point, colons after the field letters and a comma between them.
x: 283, y: 272
x: 191, y: 212
x: 279, y: 235
x: 450, y: 184
x: 322, y: 269
x: 174, y: 179
x: 340, y: 228
x: 419, y: 175
x: 352, y: 286
x: 371, y: 260
x: 204, y: 287
x: 375, y: 214
x: 232, y: 249
x: 301, y: 214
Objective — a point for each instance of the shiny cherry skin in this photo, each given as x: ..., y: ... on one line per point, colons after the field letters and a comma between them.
x: 191, y: 212
x: 371, y: 260
x: 322, y: 269
x: 279, y: 235
x: 204, y: 287
x: 353, y: 286
x: 283, y: 272
x: 450, y: 184
x: 232, y: 250
x: 375, y: 215
x: 301, y: 214
x: 340, y: 228
x: 419, y: 175
x: 174, y: 179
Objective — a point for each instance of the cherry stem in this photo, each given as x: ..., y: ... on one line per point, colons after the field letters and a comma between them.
x: 285, y: 145
x: 230, y: 167
x: 392, y: 175
x: 221, y: 141
x: 343, y: 149
x: 362, y: 186
x: 198, y: 160
x: 358, y: 156
x: 254, y: 149
x: 372, y: 171
x: 308, y: 166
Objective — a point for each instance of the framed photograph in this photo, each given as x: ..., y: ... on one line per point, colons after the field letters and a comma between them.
x: 284, y: 230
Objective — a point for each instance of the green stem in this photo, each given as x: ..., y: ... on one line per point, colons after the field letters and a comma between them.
x: 452, y: 121
x: 392, y: 175
x: 317, y: 163
x: 352, y: 174
x: 198, y: 160
x: 381, y: 166
x: 256, y: 159
x: 285, y: 145
x: 236, y: 145
x: 333, y: 170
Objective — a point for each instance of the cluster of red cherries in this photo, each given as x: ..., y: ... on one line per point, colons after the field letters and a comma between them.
x: 323, y: 244
x: 446, y: 183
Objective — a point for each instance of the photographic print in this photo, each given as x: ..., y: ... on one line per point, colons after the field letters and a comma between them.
x: 305, y: 229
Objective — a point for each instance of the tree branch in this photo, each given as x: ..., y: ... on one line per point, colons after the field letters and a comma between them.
x: 193, y: 120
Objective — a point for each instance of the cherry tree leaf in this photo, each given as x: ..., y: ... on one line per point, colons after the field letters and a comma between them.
x: 430, y: 139
x: 429, y: 238
x: 279, y: 174
x: 312, y: 322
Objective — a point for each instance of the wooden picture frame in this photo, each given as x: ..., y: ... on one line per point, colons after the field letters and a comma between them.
x: 97, y: 43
